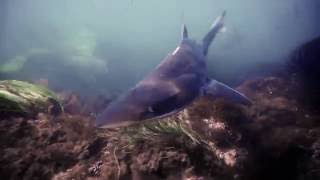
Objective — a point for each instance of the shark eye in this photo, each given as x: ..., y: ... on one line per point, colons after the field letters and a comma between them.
x: 166, y: 105
x: 150, y: 109
x: 160, y: 108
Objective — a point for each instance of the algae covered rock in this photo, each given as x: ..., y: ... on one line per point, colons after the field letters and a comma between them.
x: 18, y: 98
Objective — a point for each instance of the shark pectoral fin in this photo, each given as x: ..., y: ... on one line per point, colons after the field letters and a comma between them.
x: 217, y: 89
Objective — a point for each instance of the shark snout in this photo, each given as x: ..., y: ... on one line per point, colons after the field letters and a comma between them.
x: 118, y: 114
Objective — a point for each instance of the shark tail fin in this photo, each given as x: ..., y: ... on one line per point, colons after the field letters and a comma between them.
x: 184, y: 32
x: 216, y: 27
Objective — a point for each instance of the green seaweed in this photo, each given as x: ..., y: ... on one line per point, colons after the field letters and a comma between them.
x: 13, y: 65
x: 23, y: 98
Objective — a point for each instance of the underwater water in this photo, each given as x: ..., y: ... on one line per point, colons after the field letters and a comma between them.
x: 64, y: 63
x: 107, y: 46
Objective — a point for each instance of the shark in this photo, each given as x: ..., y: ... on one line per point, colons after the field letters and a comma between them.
x: 174, y: 84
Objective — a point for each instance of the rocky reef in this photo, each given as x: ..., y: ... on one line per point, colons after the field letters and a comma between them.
x: 276, y: 138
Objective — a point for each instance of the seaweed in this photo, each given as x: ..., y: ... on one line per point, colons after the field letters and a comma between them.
x: 20, y: 98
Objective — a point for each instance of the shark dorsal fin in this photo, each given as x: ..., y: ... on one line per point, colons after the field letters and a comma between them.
x: 184, y: 32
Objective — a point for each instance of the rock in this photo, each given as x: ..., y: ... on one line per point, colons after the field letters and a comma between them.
x: 275, y: 138
x: 18, y: 98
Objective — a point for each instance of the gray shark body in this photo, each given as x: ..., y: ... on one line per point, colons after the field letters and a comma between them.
x: 175, y: 83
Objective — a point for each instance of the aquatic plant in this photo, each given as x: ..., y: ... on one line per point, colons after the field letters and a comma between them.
x: 13, y: 65
x: 43, y: 146
x: 26, y: 99
x: 170, y: 127
x: 80, y: 42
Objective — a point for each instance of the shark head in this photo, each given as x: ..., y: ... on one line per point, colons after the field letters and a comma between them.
x: 121, y: 112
